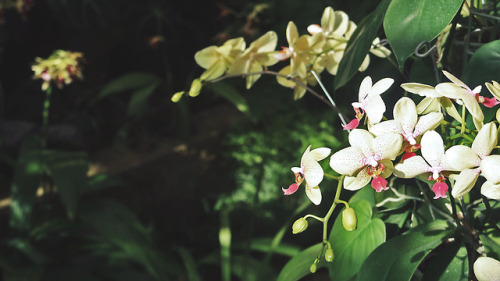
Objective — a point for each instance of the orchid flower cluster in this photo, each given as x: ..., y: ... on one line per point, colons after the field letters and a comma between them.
x: 374, y: 154
x: 61, y: 67
x: 321, y: 49
x: 409, y: 146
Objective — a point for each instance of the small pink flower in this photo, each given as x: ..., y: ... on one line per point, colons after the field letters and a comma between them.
x: 440, y: 188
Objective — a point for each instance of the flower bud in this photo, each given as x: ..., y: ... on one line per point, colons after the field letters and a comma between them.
x: 313, y: 267
x: 487, y: 269
x: 329, y: 255
x: 299, y: 225
x: 195, y: 88
x: 349, y: 219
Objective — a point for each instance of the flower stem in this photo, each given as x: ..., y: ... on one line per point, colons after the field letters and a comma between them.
x: 331, y: 176
x: 45, y: 116
x: 269, y: 72
x: 328, y: 96
x: 334, y: 204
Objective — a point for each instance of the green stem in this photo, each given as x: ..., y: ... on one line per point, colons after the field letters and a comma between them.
x: 330, y: 212
x: 45, y: 116
x: 332, y: 176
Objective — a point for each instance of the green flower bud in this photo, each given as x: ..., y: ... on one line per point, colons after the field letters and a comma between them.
x: 313, y: 267
x: 177, y: 96
x: 299, y: 225
x: 349, y: 219
x: 195, y: 88
x: 329, y: 255
x: 487, y: 269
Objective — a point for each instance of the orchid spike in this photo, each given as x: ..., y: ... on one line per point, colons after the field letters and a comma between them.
x: 310, y: 171
x: 368, y: 157
x: 433, y: 161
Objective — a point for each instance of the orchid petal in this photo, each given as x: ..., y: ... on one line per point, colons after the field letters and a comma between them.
x: 365, y: 88
x: 364, y: 64
x: 421, y: 90
x: 490, y: 102
x: 347, y: 161
x: 387, y: 146
x: 214, y: 71
x: 291, y: 33
x: 313, y: 172
x: 485, y: 140
x: 374, y: 108
x: 449, y: 107
x: 432, y: 148
x: 381, y: 86
x: 358, y: 182
x: 296, y: 170
x: 351, y: 125
x: 464, y: 182
x: 454, y: 79
x: 494, y: 89
x: 427, y: 122
x: 314, y: 194
x: 362, y: 139
x: 314, y: 28
x: 427, y: 105
x: 341, y: 23
x: 379, y: 184
x: 320, y: 153
x: 462, y: 157
x: 328, y: 19
x: 291, y: 189
x: 490, y: 165
x: 453, y: 91
x: 405, y: 111
x: 391, y: 126
x: 389, y: 168
x: 440, y: 189
x: 491, y: 190
x: 411, y: 167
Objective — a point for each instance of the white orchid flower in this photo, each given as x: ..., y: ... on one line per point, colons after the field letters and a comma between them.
x: 488, y: 102
x: 407, y: 123
x: 433, y: 161
x: 433, y: 100
x: 370, y: 102
x: 490, y: 166
x: 368, y: 157
x: 468, y: 159
x: 310, y: 171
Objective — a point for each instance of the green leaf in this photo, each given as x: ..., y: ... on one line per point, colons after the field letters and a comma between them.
x: 25, y: 273
x: 189, y: 264
x: 410, y: 22
x: 449, y: 263
x: 247, y: 268
x: 299, y: 265
x: 398, y: 258
x: 359, y: 45
x: 139, y: 100
x: 127, y: 82
x: 69, y: 171
x: 265, y: 245
x: 231, y: 94
x: 27, y: 177
x: 126, y: 238
x: 367, y: 194
x: 351, y: 248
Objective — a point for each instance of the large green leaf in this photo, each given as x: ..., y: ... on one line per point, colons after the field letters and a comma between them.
x: 27, y: 177
x: 299, y: 265
x: 228, y: 92
x: 139, y: 100
x: 449, y: 263
x: 127, y: 82
x: 398, y: 258
x: 359, y: 45
x: 352, y: 247
x: 68, y: 169
x: 410, y: 22
x: 122, y: 237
